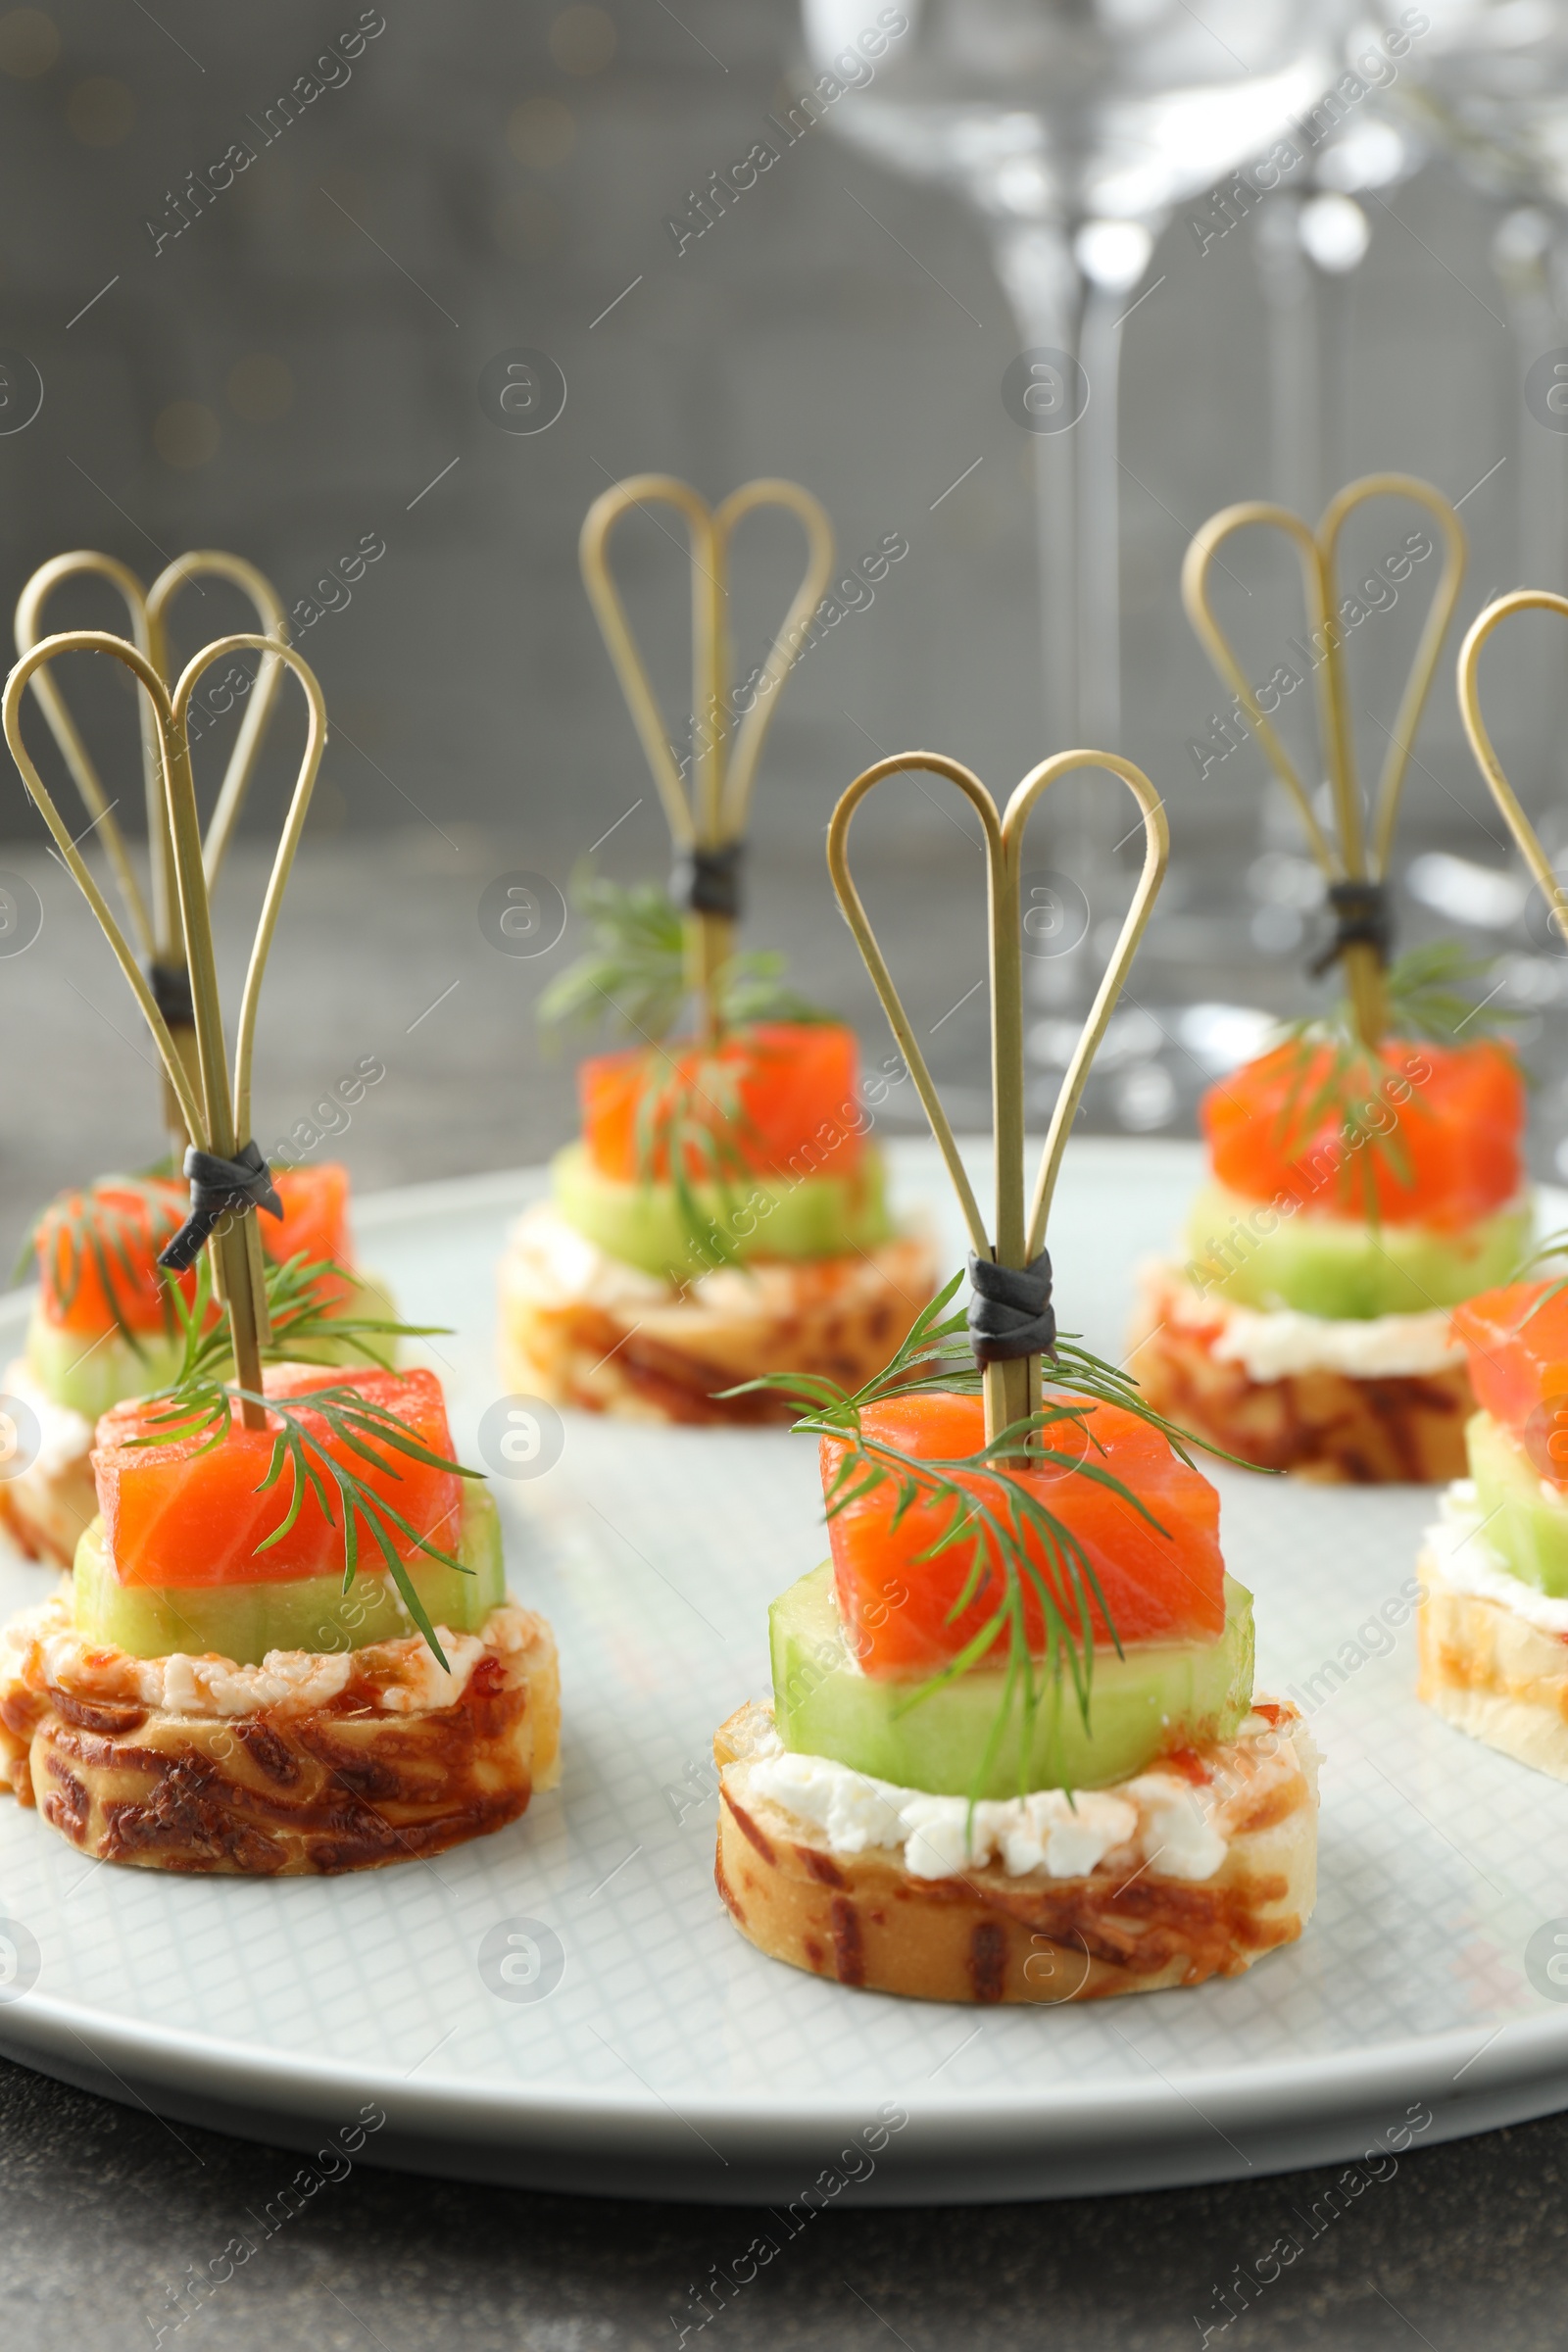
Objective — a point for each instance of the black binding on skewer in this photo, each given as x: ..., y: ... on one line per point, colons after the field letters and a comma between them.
x: 707, y: 881
x: 1009, y: 1313
x: 170, y: 987
x: 1363, y: 917
x: 218, y: 1188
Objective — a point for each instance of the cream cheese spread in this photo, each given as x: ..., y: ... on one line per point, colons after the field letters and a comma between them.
x: 550, y: 1267
x: 558, y: 1267
x: 563, y: 1267
x: 423, y: 1684
x: 1458, y: 1553
x: 408, y: 1679
x: 1158, y: 1819
x: 1277, y: 1343
x: 64, y: 1435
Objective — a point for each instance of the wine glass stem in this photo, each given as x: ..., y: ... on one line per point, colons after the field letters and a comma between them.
x: 1077, y: 509
x: 1335, y: 303
x: 1077, y: 499
x: 1286, y: 277
x: 1035, y: 264
x: 1535, y: 313
x: 1534, y: 326
x: 1100, y: 525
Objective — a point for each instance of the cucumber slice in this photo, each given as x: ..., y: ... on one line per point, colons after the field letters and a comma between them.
x: 1160, y: 1695
x: 243, y: 1622
x: 89, y: 1377
x: 1525, y: 1516
x: 1340, y: 1269
x: 759, y: 1216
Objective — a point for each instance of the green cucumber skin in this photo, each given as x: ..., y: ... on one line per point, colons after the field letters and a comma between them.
x: 1159, y: 1695
x: 243, y: 1622
x: 641, y: 1224
x: 89, y: 1379
x: 1343, y: 1270
x: 1529, y: 1531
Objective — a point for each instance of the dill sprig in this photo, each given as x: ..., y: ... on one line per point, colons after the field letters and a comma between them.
x: 116, y: 1238
x: 634, y: 977
x: 1428, y: 995
x: 752, y: 987
x: 1006, y: 1522
x: 1549, y: 1246
x: 689, y: 1131
x: 690, y: 1126
x: 1343, y: 1089
x: 201, y: 1403
x: 303, y: 1316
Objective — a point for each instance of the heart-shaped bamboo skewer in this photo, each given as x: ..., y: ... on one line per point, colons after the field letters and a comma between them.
x: 216, y: 1111
x: 157, y: 925
x: 29, y: 632
x: 710, y: 819
x: 1012, y: 1388
x: 1521, y: 600
x: 1345, y: 862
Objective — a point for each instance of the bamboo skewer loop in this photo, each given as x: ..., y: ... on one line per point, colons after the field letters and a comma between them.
x: 735, y: 799
x: 216, y: 1114
x: 287, y: 660
x: 865, y: 939
x: 710, y: 817
x: 645, y: 490
x: 228, y: 1112
x: 24, y: 672
x: 1429, y: 649
x: 29, y: 632
x: 215, y: 564
x: 1011, y: 1387
x: 1521, y: 600
x: 1157, y: 858
x: 1347, y: 860
x: 158, y: 926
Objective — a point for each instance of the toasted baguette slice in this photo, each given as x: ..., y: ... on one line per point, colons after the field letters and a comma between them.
x: 45, y: 1506
x: 304, y: 1764
x: 985, y: 1934
x: 1485, y: 1668
x: 1323, y: 1425
x: 583, y: 1329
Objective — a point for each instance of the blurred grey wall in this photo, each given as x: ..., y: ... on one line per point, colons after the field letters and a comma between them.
x: 295, y: 372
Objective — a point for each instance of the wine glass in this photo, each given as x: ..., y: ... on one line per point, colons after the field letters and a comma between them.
x: 1310, y: 241
x: 1075, y: 127
x: 1492, y: 97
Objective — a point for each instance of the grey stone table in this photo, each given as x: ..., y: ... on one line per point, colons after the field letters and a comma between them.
x: 106, y: 2213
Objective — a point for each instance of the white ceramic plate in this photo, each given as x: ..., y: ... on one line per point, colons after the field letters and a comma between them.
x: 662, y: 2056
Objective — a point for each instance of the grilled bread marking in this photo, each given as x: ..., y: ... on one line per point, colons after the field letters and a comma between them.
x: 987, y: 1937
x: 310, y: 1785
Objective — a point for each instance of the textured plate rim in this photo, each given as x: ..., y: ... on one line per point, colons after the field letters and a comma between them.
x: 1282, y: 2095
x: 1293, y: 2092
